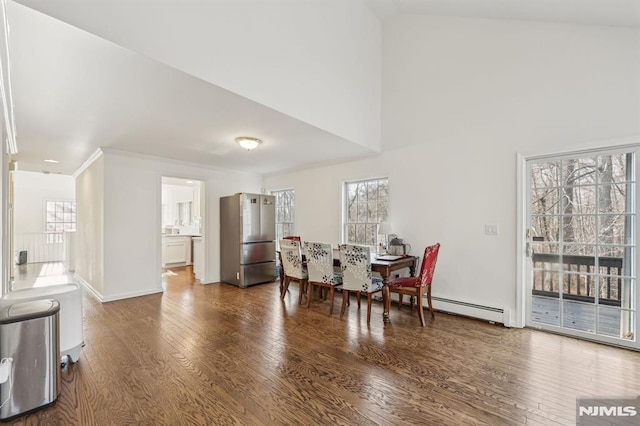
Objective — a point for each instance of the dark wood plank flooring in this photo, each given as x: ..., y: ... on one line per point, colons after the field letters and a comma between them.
x: 216, y: 355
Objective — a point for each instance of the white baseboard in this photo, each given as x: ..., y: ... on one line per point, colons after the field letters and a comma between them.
x: 132, y: 294
x: 103, y: 299
x: 88, y: 286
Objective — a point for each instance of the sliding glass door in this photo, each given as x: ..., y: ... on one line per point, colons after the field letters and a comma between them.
x: 581, y: 246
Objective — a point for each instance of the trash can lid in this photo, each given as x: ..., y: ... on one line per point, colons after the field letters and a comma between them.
x: 24, y: 311
x: 47, y: 291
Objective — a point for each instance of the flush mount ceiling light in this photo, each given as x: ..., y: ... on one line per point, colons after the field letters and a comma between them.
x: 51, y: 161
x: 248, y: 143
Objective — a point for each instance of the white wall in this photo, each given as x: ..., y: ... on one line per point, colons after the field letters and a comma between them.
x: 461, y: 97
x: 89, y: 243
x: 31, y: 192
x: 475, y: 82
x: 132, y: 202
x: 315, y: 60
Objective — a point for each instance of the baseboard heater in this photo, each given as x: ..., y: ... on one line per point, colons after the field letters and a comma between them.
x: 473, y: 310
x: 466, y: 309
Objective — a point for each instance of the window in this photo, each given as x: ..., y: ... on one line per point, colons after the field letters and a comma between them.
x: 61, y: 216
x: 184, y: 213
x: 366, y: 205
x: 285, y: 212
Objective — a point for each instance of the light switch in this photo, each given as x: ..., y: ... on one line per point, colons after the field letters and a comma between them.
x: 491, y: 229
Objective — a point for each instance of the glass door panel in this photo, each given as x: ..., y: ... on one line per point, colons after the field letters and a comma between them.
x: 581, y: 239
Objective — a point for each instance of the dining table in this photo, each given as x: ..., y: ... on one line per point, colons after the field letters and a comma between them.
x: 383, y: 267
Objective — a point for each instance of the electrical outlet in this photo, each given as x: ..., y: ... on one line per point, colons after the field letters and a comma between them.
x: 491, y: 229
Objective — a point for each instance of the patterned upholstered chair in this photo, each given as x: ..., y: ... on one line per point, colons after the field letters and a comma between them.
x: 355, y: 263
x: 293, y: 268
x: 418, y: 286
x: 320, y: 266
x: 281, y: 275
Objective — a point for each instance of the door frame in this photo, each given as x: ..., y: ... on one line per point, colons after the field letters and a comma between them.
x: 522, y: 261
x: 203, y: 211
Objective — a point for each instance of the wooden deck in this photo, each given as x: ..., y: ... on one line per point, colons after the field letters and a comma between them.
x: 577, y: 316
x: 218, y: 355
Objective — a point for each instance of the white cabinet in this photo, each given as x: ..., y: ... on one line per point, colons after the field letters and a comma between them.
x: 176, y: 249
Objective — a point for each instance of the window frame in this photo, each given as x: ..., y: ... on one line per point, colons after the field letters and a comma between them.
x: 345, y: 210
x: 55, y: 236
x: 292, y: 206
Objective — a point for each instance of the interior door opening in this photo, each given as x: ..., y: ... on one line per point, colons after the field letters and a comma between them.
x: 182, y: 227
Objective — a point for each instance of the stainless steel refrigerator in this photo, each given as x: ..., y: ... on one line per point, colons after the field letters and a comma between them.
x: 247, y: 239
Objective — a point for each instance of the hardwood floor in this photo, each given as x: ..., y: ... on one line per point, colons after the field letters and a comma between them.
x: 217, y: 355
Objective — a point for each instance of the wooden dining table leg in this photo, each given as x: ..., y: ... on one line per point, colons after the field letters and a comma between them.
x: 386, y: 299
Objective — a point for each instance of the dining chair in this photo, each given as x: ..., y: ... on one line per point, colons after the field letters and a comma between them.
x: 293, y: 268
x: 281, y: 275
x: 418, y: 286
x: 320, y: 267
x: 355, y: 263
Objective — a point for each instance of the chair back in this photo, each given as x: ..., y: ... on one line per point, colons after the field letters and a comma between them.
x: 355, y: 263
x: 429, y: 264
x: 320, y: 262
x: 293, y: 238
x: 292, y: 259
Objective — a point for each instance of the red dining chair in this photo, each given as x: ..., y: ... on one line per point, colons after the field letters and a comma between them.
x: 420, y: 285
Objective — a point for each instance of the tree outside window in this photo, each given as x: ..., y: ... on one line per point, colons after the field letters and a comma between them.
x: 285, y: 212
x: 366, y: 206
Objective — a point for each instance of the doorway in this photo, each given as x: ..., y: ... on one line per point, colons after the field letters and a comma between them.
x: 581, y: 255
x: 182, y: 222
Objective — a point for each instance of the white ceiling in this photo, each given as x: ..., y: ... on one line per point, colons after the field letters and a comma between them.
x: 588, y: 12
x: 75, y: 92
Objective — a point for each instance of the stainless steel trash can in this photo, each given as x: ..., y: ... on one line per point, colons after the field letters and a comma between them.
x: 30, y: 346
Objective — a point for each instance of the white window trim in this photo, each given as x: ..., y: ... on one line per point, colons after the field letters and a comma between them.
x: 343, y: 203
x: 294, y: 222
x: 518, y: 318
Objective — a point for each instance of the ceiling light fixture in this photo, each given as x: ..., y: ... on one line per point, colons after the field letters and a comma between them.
x: 51, y: 161
x: 248, y: 143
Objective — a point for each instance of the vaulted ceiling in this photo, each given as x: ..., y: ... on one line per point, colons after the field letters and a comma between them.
x: 75, y: 91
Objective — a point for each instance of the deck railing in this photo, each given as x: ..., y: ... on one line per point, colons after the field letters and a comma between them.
x: 581, y: 285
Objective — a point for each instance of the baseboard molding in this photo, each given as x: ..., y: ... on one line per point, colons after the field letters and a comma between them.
x: 130, y: 295
x: 103, y: 299
x: 88, y: 286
